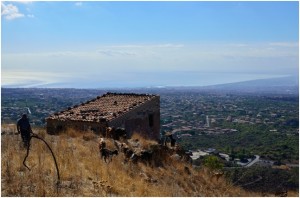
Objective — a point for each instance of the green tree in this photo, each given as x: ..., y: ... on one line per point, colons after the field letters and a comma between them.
x: 213, y: 162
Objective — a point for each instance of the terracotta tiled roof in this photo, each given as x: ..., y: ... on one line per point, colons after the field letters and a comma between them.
x: 103, y: 108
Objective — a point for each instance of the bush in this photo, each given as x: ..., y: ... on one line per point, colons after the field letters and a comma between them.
x: 213, y: 162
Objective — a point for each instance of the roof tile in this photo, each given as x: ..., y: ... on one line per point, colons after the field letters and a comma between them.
x: 108, y: 106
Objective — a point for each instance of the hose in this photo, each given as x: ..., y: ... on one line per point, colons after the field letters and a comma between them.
x: 28, y: 148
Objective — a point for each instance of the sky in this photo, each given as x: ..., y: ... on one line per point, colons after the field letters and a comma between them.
x: 146, y: 44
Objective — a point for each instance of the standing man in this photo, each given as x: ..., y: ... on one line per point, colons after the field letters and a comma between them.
x: 24, y: 128
x: 169, y: 136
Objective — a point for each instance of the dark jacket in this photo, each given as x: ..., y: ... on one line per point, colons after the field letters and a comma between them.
x: 23, y: 125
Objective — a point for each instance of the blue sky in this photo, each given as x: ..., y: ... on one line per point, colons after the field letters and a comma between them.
x: 135, y: 44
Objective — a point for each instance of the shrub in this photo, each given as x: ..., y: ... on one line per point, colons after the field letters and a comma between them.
x: 213, y: 162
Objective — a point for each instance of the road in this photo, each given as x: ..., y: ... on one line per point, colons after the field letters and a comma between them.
x: 293, y: 165
x: 253, y: 161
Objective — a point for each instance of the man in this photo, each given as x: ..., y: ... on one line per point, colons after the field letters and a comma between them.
x: 24, y: 128
x: 169, y: 136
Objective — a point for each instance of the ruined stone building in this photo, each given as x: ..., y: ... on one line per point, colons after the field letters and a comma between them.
x: 138, y: 113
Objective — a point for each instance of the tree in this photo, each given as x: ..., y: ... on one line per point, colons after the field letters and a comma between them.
x: 213, y: 162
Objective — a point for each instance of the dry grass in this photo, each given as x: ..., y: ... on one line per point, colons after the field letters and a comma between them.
x: 146, y: 143
x: 83, y: 173
x: 70, y: 132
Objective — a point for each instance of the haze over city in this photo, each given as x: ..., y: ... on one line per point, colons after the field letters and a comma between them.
x: 140, y: 44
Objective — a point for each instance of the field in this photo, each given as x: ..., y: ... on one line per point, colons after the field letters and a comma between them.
x: 84, y: 173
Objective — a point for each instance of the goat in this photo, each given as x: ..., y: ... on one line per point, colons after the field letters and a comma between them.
x: 124, y: 148
x: 107, y: 154
x: 119, y: 133
x: 134, y: 158
x: 146, y: 156
x: 115, y: 133
x: 217, y: 174
x: 118, y: 145
x: 109, y: 132
x: 128, y: 153
x: 102, y: 143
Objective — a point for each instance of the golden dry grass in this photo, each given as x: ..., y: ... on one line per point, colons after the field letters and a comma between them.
x: 143, y: 141
x: 83, y: 173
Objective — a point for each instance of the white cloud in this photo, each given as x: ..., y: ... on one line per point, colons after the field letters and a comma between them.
x: 23, y: 2
x: 139, y: 51
x: 284, y: 44
x: 30, y: 15
x: 116, y: 53
x: 167, y: 45
x: 78, y: 4
x: 10, y: 11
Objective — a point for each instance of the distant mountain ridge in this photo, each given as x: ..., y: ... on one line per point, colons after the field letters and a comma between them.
x: 285, y: 85
x: 281, y: 85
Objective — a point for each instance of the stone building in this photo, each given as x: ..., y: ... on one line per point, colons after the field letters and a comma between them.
x: 138, y: 113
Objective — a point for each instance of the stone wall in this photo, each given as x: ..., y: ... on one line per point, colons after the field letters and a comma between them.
x: 143, y: 119
x: 58, y: 126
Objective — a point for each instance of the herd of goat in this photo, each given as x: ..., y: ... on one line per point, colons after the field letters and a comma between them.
x: 130, y: 154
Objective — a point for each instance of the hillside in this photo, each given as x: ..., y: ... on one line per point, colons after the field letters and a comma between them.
x: 283, y: 85
x: 84, y: 173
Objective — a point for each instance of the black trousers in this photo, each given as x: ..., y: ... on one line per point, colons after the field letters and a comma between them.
x: 25, y: 137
